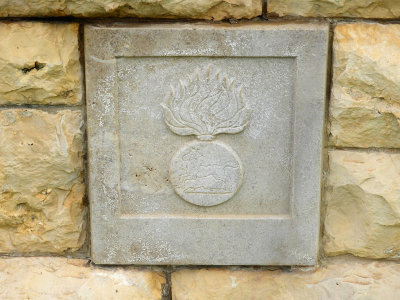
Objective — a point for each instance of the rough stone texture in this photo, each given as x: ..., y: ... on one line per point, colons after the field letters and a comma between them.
x: 50, y: 278
x: 146, y: 160
x: 363, y: 204
x: 39, y: 63
x: 41, y: 181
x: 194, y: 9
x: 365, y: 103
x: 378, y: 9
x: 341, y: 278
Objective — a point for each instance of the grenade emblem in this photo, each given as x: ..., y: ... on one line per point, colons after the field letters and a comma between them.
x: 206, y: 172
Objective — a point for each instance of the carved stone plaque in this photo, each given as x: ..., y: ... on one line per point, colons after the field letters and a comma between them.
x: 205, y: 142
x: 206, y: 104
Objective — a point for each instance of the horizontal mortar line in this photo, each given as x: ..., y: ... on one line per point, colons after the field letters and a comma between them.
x: 110, y: 19
x: 334, y: 19
x: 40, y: 106
x: 369, y: 149
x: 107, y: 20
x: 16, y: 254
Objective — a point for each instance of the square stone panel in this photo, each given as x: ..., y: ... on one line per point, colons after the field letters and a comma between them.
x: 205, y: 142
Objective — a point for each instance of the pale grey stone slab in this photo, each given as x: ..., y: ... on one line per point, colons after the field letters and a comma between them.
x: 205, y: 142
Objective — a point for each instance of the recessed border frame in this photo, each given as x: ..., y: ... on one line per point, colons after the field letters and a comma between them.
x: 262, y: 240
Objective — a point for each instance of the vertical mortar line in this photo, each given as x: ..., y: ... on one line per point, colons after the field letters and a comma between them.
x: 166, y: 291
x: 264, y: 13
x: 86, y: 246
x: 325, y: 161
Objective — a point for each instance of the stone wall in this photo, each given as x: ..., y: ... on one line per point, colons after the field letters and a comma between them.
x: 43, y: 208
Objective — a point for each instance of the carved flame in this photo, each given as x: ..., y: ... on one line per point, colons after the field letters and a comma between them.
x: 206, y: 104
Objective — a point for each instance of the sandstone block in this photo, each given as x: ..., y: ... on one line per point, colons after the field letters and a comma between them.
x: 49, y: 278
x: 377, y: 9
x: 342, y: 278
x: 39, y: 63
x: 363, y: 204
x: 365, y: 102
x: 193, y: 9
x: 41, y: 181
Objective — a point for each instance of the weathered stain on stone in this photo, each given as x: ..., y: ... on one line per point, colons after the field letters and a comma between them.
x: 363, y: 204
x: 338, y: 279
x: 41, y: 181
x: 70, y: 279
x: 39, y: 63
x: 377, y: 9
x: 192, y: 9
x: 365, y: 101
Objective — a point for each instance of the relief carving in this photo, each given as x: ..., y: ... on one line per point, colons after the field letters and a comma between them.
x: 205, y: 104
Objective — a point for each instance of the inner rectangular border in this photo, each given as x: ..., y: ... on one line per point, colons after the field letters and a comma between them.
x: 216, y: 215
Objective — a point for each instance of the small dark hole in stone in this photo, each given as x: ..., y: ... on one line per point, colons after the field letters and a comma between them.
x: 37, y: 66
x: 66, y: 94
x: 21, y: 205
